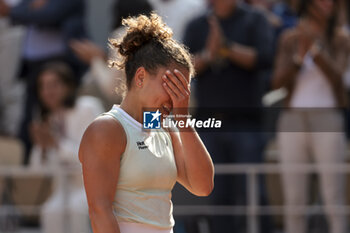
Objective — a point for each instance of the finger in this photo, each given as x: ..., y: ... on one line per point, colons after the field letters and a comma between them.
x: 170, y: 92
x: 214, y: 23
x: 172, y: 86
x: 183, y: 79
x: 175, y: 80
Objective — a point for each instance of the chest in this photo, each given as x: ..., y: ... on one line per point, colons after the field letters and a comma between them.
x: 148, y: 162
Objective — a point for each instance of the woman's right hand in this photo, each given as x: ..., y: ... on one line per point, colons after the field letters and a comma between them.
x: 215, y: 38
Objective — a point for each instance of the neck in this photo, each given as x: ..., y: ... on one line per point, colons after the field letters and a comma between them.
x: 132, y: 106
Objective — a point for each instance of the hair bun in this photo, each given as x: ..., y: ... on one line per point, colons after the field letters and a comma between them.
x: 141, y: 30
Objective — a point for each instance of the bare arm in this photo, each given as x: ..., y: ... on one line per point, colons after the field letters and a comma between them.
x: 194, y: 165
x: 241, y: 55
x: 285, y: 68
x: 238, y: 54
x: 100, y: 150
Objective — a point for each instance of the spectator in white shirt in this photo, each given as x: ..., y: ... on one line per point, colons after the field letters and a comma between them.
x: 56, y: 135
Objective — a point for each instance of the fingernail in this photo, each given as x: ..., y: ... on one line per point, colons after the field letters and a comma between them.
x: 175, y: 70
x: 168, y: 72
x: 164, y: 77
x: 164, y: 84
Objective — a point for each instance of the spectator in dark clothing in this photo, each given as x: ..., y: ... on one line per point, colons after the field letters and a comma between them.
x: 232, y: 43
x: 51, y: 24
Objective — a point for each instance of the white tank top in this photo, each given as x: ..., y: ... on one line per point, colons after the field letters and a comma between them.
x: 312, y: 89
x: 147, y: 175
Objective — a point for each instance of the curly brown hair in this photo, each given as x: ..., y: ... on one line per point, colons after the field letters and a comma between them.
x: 148, y: 43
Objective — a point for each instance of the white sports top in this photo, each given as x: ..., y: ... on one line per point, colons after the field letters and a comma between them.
x: 312, y: 89
x: 147, y: 175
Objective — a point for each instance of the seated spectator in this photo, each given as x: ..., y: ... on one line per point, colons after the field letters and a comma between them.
x: 56, y: 133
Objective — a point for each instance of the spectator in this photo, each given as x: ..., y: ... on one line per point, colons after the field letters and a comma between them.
x: 51, y: 25
x: 56, y: 134
x: 311, y: 61
x: 231, y: 44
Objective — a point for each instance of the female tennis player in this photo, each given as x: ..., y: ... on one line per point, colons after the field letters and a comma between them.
x: 129, y: 173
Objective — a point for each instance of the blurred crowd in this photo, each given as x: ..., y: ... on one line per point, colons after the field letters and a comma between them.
x: 288, y: 54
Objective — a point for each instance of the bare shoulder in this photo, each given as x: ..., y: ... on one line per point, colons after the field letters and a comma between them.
x: 104, y: 136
